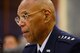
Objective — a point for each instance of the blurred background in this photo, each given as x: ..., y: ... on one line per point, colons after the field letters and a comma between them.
x: 67, y: 12
x: 69, y: 16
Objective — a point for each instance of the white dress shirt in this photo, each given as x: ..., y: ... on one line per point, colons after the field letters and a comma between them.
x: 43, y: 44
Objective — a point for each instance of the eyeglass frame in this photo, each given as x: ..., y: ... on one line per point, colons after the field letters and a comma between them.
x: 26, y: 16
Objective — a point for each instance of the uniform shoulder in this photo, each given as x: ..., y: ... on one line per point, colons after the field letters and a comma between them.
x: 29, y: 48
x: 30, y: 45
x: 68, y: 38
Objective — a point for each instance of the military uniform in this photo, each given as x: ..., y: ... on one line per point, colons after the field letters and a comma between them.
x: 58, y: 42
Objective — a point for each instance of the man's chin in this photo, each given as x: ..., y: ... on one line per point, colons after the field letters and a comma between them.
x: 28, y: 38
x: 30, y: 41
x: 25, y: 34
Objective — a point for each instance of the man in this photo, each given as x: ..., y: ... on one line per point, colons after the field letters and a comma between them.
x: 37, y: 21
x: 11, y: 44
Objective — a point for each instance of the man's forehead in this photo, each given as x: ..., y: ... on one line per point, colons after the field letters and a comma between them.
x: 28, y: 7
x: 23, y: 7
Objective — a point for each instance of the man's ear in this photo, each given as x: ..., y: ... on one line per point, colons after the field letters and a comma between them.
x: 47, y: 15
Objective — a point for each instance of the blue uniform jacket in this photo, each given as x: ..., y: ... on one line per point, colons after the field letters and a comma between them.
x: 58, y: 42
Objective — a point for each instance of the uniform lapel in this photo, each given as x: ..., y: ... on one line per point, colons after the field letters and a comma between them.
x: 50, y: 46
x: 30, y: 49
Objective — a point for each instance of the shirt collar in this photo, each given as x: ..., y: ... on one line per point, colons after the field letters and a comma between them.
x: 44, y: 43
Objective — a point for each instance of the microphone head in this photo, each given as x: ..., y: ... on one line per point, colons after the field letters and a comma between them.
x: 1, y: 46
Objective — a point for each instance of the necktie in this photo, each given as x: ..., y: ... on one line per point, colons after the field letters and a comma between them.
x: 39, y: 51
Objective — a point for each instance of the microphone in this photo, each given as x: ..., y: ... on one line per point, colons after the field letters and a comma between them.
x: 1, y: 47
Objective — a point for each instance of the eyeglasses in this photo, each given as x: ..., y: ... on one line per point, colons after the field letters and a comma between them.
x: 25, y: 16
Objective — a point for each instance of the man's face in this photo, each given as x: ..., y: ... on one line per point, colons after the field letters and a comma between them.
x: 10, y: 42
x: 33, y: 26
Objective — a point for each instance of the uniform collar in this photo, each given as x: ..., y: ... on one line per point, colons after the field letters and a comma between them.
x: 51, y: 43
x: 43, y: 44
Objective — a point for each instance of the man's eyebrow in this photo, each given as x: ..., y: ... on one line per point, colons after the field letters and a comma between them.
x: 24, y: 12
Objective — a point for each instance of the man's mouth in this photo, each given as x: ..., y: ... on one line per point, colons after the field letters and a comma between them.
x: 26, y: 31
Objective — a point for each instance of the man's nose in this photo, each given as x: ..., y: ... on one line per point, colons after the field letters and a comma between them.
x: 21, y: 23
